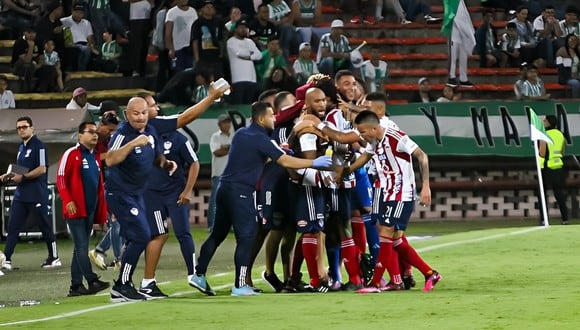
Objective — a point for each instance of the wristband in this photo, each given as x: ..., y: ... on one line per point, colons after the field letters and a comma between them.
x: 321, y: 126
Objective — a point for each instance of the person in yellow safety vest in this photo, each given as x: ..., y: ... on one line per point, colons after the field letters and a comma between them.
x: 553, y: 166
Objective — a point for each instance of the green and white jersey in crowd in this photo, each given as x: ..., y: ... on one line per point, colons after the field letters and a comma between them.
x: 278, y: 11
x: 342, y: 46
x: 376, y: 76
x: 100, y: 4
x: 307, y: 11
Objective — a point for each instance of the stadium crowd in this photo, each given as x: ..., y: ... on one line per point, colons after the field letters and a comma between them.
x: 339, y: 171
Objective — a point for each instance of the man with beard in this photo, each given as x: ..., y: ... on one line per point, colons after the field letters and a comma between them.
x: 242, y: 52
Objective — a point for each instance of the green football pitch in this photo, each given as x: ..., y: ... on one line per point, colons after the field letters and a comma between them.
x: 506, y: 274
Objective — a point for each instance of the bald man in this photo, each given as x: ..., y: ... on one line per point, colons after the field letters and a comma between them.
x: 133, y: 152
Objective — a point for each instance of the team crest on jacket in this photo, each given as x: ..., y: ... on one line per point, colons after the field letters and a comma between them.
x: 152, y: 141
x: 167, y: 146
x: 134, y: 211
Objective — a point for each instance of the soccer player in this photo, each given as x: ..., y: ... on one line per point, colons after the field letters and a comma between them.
x: 81, y: 187
x: 31, y: 195
x: 251, y: 148
x: 134, y: 150
x: 391, y: 152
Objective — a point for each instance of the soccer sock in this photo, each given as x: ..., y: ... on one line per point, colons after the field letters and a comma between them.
x: 350, y: 255
x: 310, y: 251
x: 333, y: 255
x: 146, y: 281
x: 372, y: 236
x: 408, y: 253
x: 405, y: 267
x: 387, y: 260
x: 133, y: 251
x: 297, y: 260
x: 358, y: 234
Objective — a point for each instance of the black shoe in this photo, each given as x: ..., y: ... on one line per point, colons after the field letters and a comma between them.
x: 351, y: 286
x: 297, y: 285
x: 152, y: 291
x: 51, y: 262
x: 288, y: 288
x: 273, y: 281
x: 78, y: 290
x: 98, y: 286
x: 320, y: 288
x: 466, y: 83
x: 452, y: 82
x: 125, y: 292
x: 409, y: 282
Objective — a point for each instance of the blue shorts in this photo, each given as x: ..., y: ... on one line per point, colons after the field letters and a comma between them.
x: 157, y: 212
x: 339, y: 202
x: 309, y: 209
x: 276, y: 204
x: 393, y: 214
x: 363, y: 192
x: 131, y: 214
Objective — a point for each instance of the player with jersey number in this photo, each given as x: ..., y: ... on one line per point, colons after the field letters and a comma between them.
x: 391, y: 152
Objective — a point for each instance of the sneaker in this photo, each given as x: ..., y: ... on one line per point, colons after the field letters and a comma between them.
x: 273, y: 281
x: 288, y: 288
x: 431, y: 19
x: 565, y: 222
x: 98, y: 286
x: 369, y: 20
x: 125, y: 292
x: 256, y: 289
x: 355, y: 20
x: 404, y: 21
x: 243, y: 291
x: 152, y: 291
x: 51, y: 262
x: 1, y: 273
x: 351, y: 287
x: 320, y: 288
x: 466, y: 83
x: 7, y: 265
x: 296, y: 285
x: 78, y: 290
x: 199, y: 282
x: 98, y: 259
x: 452, y: 82
x: 409, y: 282
x: 393, y: 287
x: 369, y: 289
x: 431, y: 281
x: 335, y: 286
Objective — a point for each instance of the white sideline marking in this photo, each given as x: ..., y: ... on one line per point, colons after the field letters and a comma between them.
x: 221, y: 287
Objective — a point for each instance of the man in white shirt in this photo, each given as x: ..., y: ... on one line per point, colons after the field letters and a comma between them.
x: 547, y: 31
x: 6, y: 96
x: 79, y: 101
x: 82, y: 35
x: 139, y: 18
x: 178, y: 24
x: 219, y: 144
x: 242, y: 51
x: 374, y: 71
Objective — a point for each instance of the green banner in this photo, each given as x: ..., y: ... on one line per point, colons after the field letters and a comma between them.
x: 499, y: 128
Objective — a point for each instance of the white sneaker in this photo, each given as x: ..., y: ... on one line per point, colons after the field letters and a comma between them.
x: 405, y: 21
x: 51, y: 263
x: 98, y: 259
x: 1, y: 273
x: 431, y: 19
x: 7, y: 265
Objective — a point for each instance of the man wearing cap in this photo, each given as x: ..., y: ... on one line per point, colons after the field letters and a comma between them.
x: 334, y: 50
x: 79, y: 101
x: 219, y: 144
x: 242, y: 52
x: 206, y: 34
x: 423, y: 95
x: 304, y: 66
x: 82, y: 35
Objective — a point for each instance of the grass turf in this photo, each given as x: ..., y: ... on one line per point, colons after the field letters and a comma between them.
x: 502, y: 278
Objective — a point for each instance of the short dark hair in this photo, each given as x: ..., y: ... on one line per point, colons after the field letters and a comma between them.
x: 366, y: 117
x: 571, y: 10
x: 280, y: 97
x: 267, y: 93
x: 548, y: 7
x: 377, y: 96
x: 3, y: 77
x: 259, y: 109
x: 263, y: 4
x: 144, y: 95
x: 552, y: 120
x: 520, y: 8
x: 329, y: 89
x: 25, y: 118
x: 342, y: 73
x: 110, y: 119
x: 84, y: 125
x: 511, y: 25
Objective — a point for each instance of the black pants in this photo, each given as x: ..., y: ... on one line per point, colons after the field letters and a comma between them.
x: 138, y: 42
x: 556, y: 180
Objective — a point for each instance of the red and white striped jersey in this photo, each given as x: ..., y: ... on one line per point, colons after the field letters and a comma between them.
x: 336, y: 121
x: 393, y: 160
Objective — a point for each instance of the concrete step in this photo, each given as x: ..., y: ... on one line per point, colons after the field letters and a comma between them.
x: 476, y: 75
x: 89, y: 80
x: 60, y: 100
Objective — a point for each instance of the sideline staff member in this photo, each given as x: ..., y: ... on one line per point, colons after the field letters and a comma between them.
x: 31, y: 195
x: 553, y: 166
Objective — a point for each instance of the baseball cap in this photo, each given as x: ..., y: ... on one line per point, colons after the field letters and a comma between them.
x: 422, y: 79
x: 206, y: 2
x: 108, y: 105
x: 242, y: 22
x: 356, y: 58
x: 223, y: 117
x: 78, y: 91
x: 79, y: 7
x: 304, y: 45
x: 337, y: 23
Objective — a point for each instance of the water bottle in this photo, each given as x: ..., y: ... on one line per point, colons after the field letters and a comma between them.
x: 218, y: 84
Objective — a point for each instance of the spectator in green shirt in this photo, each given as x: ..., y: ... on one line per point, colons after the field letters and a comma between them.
x: 272, y: 58
x: 110, y: 53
